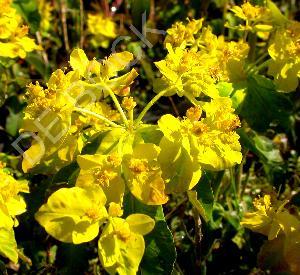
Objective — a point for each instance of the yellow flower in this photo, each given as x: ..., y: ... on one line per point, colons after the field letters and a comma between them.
x: 53, y: 113
x: 45, y: 9
x: 181, y: 33
x: 225, y: 60
x: 102, y: 170
x: 74, y: 215
x: 143, y: 174
x: 259, y: 19
x: 185, y: 72
x: 252, y: 13
x: 121, y: 245
x: 193, y: 70
x: 270, y: 220
x: 49, y: 113
x: 14, y: 41
x: 285, y: 53
x: 11, y: 205
x: 231, y: 57
x: 105, y: 73
x: 9, y: 194
x: 210, y: 142
x: 103, y: 30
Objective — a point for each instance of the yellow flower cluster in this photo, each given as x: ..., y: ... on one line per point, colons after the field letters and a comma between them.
x: 102, y: 29
x: 257, y: 18
x: 57, y: 114
x: 283, y: 48
x: 193, y: 143
x: 285, y: 57
x: 129, y: 156
x: 75, y: 215
x: 197, y: 60
x: 272, y: 219
x: 45, y: 9
x: 11, y: 205
x: 14, y: 41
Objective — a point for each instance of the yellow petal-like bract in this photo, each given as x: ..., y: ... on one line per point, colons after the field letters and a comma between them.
x: 74, y: 215
x: 11, y: 205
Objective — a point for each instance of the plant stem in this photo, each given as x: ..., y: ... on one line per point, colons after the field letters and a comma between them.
x: 81, y: 24
x: 64, y: 24
x: 100, y: 117
x: 117, y: 103
x: 130, y: 115
x: 192, y: 99
x: 150, y: 104
x: 198, y: 239
x: 261, y: 58
x: 261, y: 66
x: 174, y: 106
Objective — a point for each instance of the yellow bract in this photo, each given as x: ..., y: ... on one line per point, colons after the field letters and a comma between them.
x: 121, y: 245
x: 269, y: 219
x: 285, y: 53
x: 104, y: 73
x: 14, y: 41
x: 181, y: 33
x: 211, y: 141
x: 252, y: 13
x: 186, y: 73
x: 272, y: 219
x: 52, y: 112
x: 74, y: 215
x: 143, y: 174
x: 105, y: 171
x: 11, y: 205
x: 193, y: 68
x: 103, y: 30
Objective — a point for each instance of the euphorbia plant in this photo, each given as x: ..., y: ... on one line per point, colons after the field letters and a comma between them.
x: 86, y: 116
x: 132, y: 156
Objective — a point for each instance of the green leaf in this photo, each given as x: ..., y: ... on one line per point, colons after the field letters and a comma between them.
x: 268, y: 154
x: 29, y: 11
x: 203, y: 198
x: 263, y: 105
x: 8, y: 245
x: 68, y: 174
x: 160, y: 253
x: 150, y: 134
x: 38, y: 63
x: 13, y: 123
x: 138, y: 7
x: 263, y: 147
x: 14, y: 119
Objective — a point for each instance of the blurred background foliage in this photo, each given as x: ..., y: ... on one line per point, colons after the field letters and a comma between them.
x: 214, y: 244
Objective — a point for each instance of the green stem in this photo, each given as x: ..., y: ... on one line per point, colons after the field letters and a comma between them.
x: 261, y: 66
x: 117, y: 103
x: 100, y: 117
x: 192, y: 99
x: 252, y: 40
x: 150, y: 104
x: 261, y: 58
x: 130, y: 115
x: 233, y: 186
